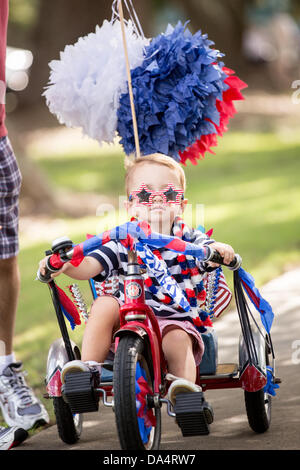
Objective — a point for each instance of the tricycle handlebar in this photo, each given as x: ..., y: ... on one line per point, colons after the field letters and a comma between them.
x: 215, y: 257
x: 63, y: 251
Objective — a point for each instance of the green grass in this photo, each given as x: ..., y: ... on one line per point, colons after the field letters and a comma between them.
x: 250, y: 194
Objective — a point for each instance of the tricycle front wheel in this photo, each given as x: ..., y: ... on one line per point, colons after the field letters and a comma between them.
x: 259, y: 405
x: 69, y: 426
x: 138, y: 422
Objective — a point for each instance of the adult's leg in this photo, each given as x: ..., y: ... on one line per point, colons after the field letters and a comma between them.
x: 18, y: 403
x: 10, y: 182
x: 10, y: 287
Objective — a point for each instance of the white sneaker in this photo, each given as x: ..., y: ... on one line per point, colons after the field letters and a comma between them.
x: 11, y: 437
x: 19, y: 405
x: 76, y: 366
x: 181, y: 386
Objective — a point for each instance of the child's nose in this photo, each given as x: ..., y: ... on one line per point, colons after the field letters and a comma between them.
x: 157, y: 198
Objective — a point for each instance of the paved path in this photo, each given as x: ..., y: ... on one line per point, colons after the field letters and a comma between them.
x: 230, y: 430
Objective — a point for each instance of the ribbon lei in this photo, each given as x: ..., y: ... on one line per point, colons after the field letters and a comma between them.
x: 160, y: 272
x: 140, y: 232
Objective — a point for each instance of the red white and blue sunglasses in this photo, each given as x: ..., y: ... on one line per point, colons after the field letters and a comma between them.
x: 170, y: 194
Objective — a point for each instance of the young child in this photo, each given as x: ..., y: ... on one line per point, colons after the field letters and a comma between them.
x: 155, y: 186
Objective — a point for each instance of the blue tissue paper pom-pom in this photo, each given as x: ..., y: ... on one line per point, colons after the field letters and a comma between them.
x: 175, y: 91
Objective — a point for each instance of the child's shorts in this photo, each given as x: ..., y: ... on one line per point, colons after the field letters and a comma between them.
x: 198, y: 345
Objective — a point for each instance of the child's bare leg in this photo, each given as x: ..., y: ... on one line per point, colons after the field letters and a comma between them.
x: 178, y: 349
x: 103, y: 320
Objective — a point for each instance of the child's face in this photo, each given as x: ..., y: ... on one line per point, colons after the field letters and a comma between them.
x: 162, y: 208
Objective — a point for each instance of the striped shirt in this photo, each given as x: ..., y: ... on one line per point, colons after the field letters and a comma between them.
x: 113, y: 257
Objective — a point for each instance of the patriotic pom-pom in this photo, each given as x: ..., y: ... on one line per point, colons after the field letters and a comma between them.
x: 86, y: 83
x: 183, y: 95
x: 175, y: 91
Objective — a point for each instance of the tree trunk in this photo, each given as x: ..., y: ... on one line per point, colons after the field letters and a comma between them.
x: 61, y: 23
x: 223, y: 21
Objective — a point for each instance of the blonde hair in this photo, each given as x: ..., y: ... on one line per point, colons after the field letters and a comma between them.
x: 132, y: 163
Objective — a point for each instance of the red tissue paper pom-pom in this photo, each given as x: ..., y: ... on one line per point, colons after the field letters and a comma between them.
x: 227, y: 110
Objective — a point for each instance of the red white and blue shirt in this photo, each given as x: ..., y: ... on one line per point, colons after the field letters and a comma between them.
x: 113, y: 258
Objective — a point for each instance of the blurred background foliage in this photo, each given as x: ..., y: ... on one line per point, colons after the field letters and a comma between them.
x: 248, y: 192
x: 234, y: 25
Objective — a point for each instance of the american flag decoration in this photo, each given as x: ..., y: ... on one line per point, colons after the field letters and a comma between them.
x: 218, y: 294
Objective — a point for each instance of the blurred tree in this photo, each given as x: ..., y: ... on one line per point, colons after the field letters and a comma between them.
x: 62, y: 22
x: 22, y: 19
x: 265, y: 28
x: 224, y: 22
x: 295, y: 10
x: 46, y: 28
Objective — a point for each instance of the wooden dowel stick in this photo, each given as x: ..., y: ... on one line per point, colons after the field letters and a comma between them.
x: 135, y: 127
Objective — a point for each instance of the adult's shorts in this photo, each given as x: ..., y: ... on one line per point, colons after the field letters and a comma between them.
x: 10, y: 183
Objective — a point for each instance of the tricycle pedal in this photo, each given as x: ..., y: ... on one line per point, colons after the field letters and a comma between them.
x: 193, y: 414
x: 79, y: 392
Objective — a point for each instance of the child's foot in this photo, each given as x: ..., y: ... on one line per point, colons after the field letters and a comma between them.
x: 180, y: 385
x: 76, y: 366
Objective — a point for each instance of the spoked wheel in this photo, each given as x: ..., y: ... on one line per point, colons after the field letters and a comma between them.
x: 259, y: 407
x: 69, y: 426
x: 138, y: 424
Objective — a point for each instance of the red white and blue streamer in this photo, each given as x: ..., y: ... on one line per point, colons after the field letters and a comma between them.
x: 261, y: 305
x: 68, y: 308
x: 145, y: 416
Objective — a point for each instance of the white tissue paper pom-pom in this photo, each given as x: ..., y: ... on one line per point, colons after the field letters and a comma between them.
x: 86, y: 83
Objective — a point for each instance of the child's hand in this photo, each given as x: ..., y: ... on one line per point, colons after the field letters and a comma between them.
x: 42, y: 268
x: 226, y: 251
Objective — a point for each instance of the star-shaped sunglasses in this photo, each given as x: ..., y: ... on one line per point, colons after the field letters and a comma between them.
x: 170, y: 194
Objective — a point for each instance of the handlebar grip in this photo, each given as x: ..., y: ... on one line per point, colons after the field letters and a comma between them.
x: 49, y: 270
x: 46, y: 279
x: 215, y: 257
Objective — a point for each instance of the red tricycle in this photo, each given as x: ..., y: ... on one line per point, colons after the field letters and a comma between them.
x: 133, y: 380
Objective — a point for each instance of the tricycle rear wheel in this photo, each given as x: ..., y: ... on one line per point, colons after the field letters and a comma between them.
x: 138, y: 423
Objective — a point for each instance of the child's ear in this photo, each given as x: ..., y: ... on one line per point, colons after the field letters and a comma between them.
x: 126, y: 204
